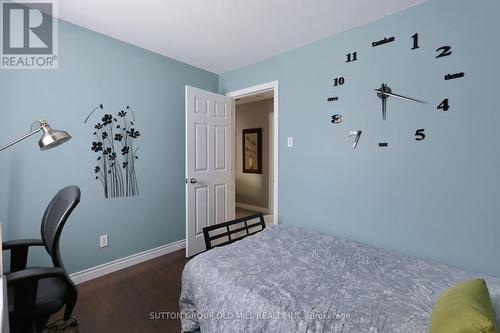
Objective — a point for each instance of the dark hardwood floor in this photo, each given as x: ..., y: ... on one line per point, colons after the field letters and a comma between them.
x: 122, y: 301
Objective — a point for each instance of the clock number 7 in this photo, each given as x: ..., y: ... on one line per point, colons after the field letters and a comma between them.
x: 419, y: 134
x: 445, y: 106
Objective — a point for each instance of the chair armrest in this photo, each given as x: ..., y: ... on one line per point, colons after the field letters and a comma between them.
x: 35, y: 273
x: 19, y: 252
x: 24, y: 285
x: 14, y: 244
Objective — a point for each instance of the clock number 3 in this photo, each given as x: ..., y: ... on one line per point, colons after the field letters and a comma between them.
x: 419, y: 134
x: 445, y: 105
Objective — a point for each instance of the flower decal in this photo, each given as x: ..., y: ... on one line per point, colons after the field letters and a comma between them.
x: 133, y: 133
x: 115, y: 142
x: 107, y: 119
x: 96, y: 146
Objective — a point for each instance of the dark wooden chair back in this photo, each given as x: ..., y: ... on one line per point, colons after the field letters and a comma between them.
x: 230, y: 228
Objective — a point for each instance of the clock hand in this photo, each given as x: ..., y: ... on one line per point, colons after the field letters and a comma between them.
x: 399, y: 96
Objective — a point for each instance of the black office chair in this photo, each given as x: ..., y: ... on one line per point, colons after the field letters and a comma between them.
x: 35, y: 293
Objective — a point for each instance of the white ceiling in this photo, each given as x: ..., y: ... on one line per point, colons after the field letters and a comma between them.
x: 220, y: 35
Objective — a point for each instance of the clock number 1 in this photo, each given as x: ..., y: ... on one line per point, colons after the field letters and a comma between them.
x: 338, y: 81
x: 445, y: 106
x: 352, y: 57
x: 415, y: 42
x: 419, y: 134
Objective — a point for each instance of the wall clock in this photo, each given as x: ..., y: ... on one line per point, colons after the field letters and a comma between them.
x: 385, y: 92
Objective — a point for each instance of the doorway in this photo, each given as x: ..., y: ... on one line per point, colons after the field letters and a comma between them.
x: 210, y: 160
x: 255, y: 151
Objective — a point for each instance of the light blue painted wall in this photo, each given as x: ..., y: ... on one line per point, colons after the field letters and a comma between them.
x: 96, y: 69
x: 437, y: 199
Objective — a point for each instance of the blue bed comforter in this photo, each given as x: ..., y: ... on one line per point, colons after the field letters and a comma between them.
x: 288, y: 279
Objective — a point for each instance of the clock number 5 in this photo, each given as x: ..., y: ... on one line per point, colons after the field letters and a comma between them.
x: 445, y: 106
x: 419, y: 134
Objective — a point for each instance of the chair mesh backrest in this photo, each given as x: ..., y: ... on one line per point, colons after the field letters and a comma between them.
x: 56, y: 214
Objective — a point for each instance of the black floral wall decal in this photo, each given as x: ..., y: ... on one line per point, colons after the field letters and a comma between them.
x: 114, y: 142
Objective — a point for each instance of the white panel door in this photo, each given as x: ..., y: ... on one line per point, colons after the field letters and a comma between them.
x: 209, y: 163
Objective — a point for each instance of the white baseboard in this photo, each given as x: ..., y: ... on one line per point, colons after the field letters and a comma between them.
x: 134, y: 259
x: 252, y: 207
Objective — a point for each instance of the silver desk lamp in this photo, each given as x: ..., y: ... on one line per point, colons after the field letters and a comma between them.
x: 51, y: 138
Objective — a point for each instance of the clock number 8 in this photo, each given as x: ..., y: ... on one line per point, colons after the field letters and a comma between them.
x: 445, y: 106
x: 338, y: 81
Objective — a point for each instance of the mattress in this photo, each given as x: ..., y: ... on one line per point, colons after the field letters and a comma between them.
x: 288, y: 279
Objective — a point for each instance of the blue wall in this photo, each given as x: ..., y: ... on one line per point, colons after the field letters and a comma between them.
x: 435, y: 199
x: 96, y: 69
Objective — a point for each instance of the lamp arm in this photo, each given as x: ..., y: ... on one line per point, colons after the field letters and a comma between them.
x: 21, y: 138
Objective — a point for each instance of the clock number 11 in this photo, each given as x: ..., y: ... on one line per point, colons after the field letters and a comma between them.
x: 352, y: 57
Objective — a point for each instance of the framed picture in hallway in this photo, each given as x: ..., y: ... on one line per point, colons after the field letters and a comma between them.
x: 252, y: 150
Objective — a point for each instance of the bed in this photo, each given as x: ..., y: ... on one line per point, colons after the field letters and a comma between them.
x: 288, y: 279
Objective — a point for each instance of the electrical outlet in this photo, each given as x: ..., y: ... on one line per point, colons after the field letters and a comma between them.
x: 103, y: 241
x: 290, y: 141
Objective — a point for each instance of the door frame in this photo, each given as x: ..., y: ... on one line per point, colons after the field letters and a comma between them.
x: 274, y: 85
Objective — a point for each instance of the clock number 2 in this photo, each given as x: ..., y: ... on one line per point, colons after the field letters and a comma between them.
x: 444, y: 51
x: 445, y: 105
x: 419, y: 134
x: 338, y: 81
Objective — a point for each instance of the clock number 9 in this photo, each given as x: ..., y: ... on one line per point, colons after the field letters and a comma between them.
x: 419, y: 134
x: 338, y: 81
x: 445, y: 106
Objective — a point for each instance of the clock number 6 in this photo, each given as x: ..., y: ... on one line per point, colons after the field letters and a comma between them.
x: 445, y: 106
x: 419, y: 134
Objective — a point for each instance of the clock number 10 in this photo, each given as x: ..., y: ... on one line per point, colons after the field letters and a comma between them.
x: 338, y: 81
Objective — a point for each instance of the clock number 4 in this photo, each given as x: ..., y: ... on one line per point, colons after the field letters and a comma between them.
x: 419, y: 134
x: 445, y: 105
x: 338, y: 81
x: 443, y: 51
x: 352, y: 57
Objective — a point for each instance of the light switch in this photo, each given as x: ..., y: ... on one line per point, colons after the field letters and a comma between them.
x: 290, y: 142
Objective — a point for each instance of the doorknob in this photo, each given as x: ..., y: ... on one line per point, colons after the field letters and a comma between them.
x: 192, y: 180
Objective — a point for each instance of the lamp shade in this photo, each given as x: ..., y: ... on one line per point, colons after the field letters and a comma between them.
x: 52, y: 138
